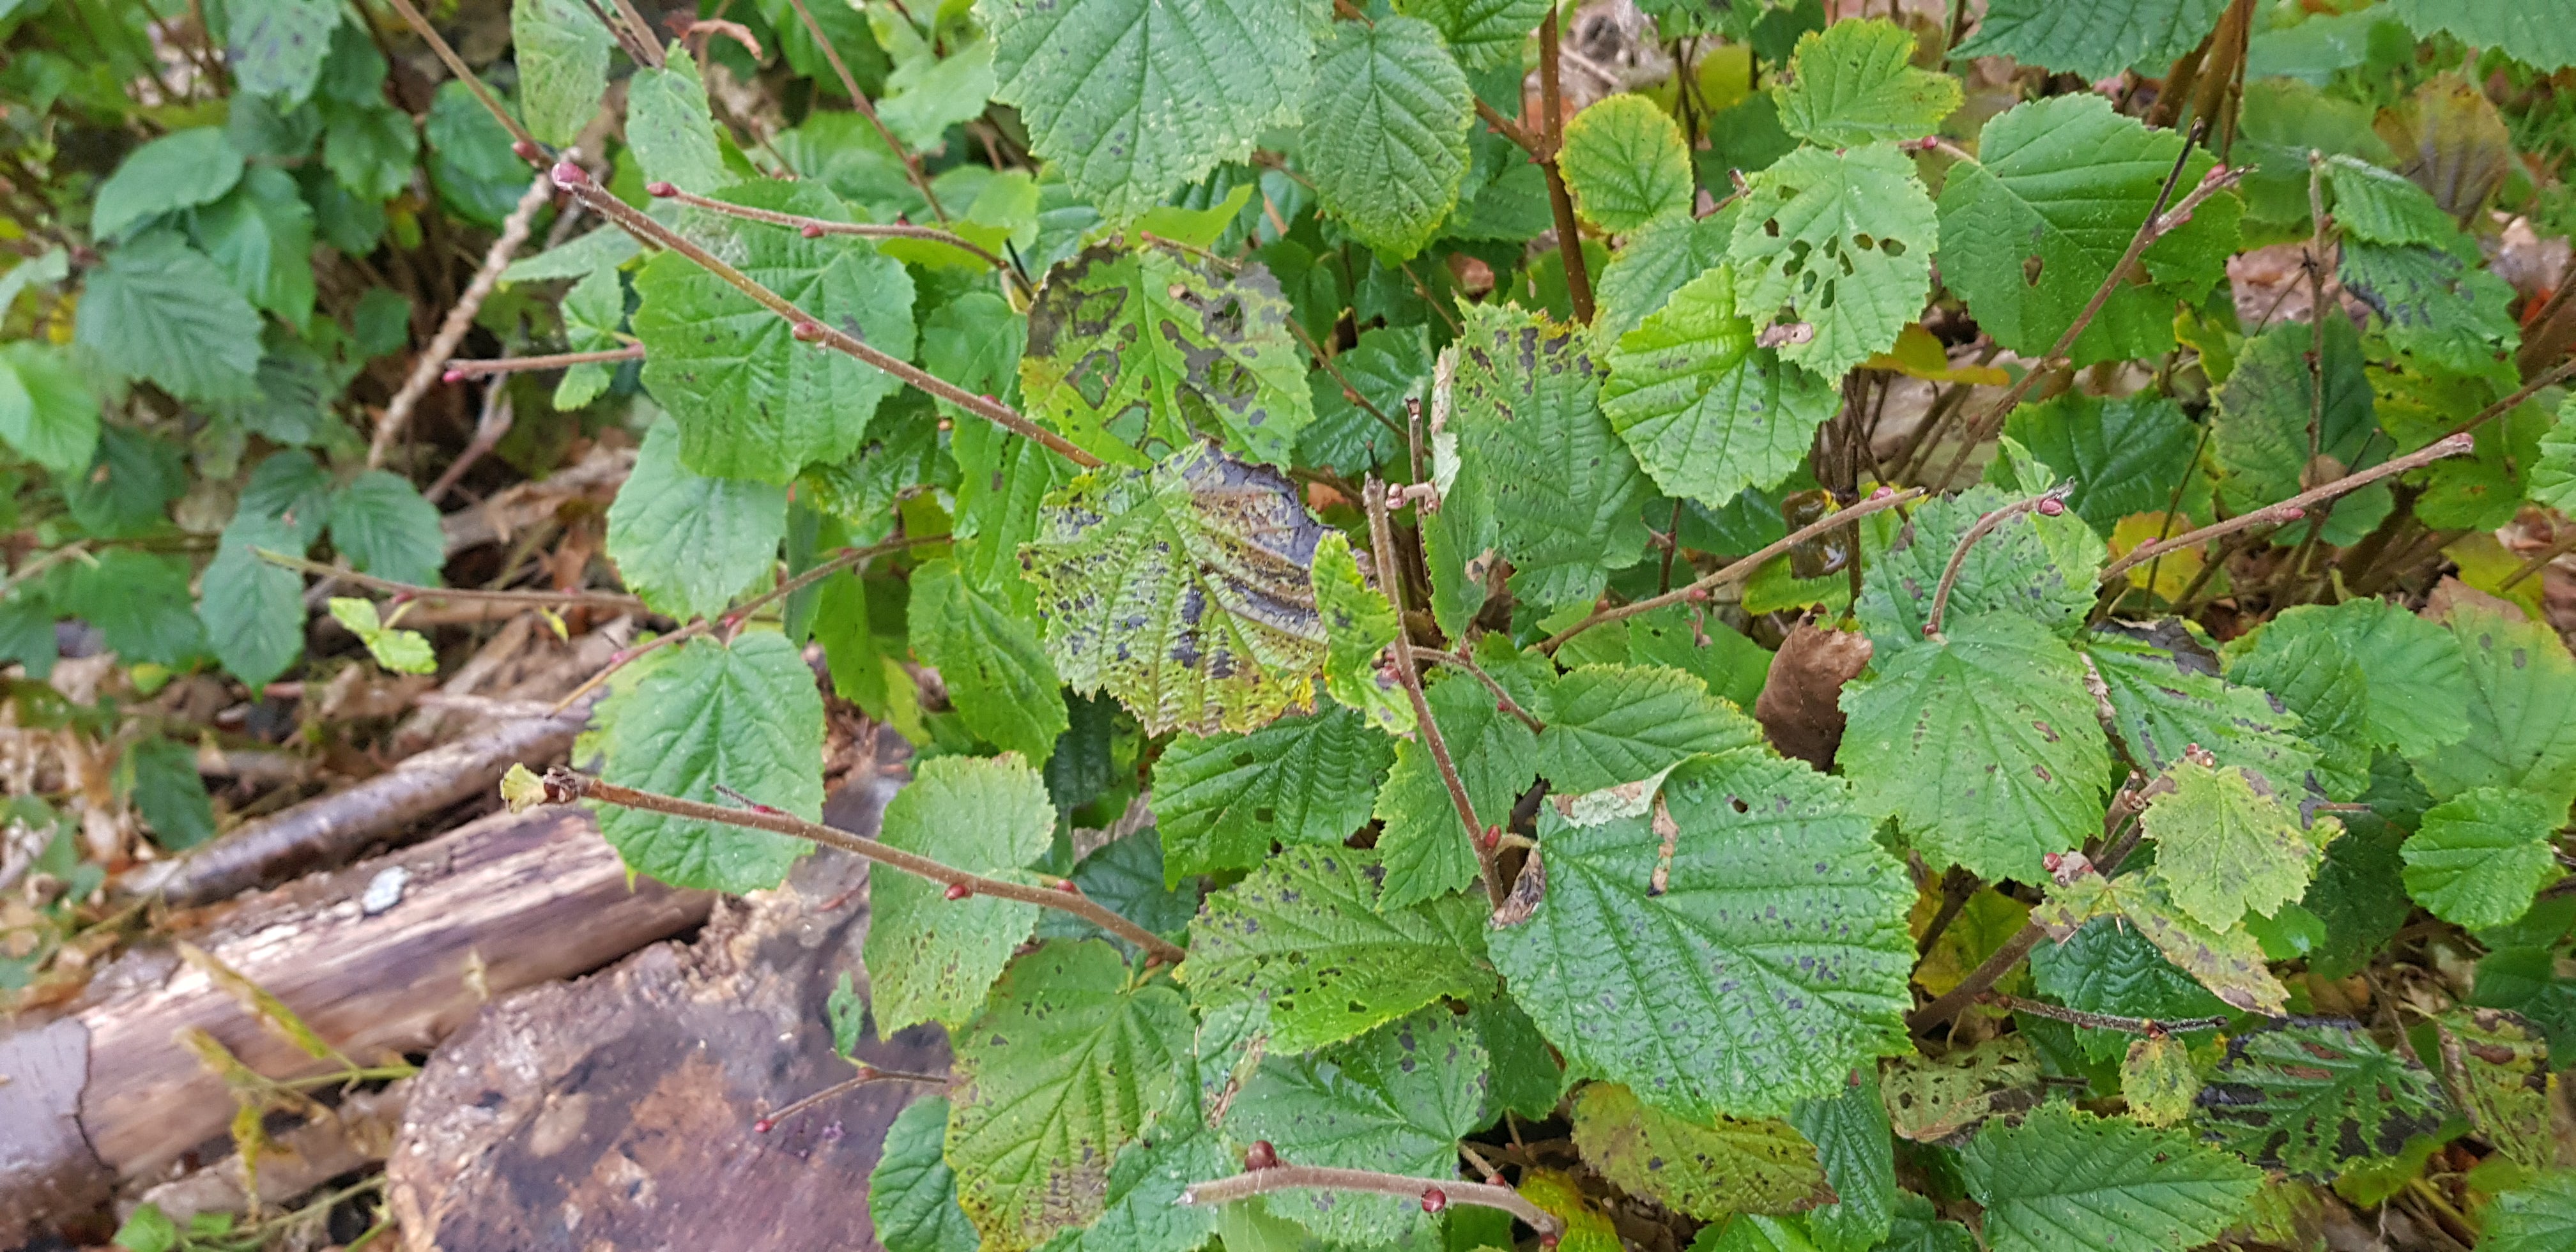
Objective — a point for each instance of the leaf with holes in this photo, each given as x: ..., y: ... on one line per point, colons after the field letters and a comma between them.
x: 1706, y: 412
x: 1705, y: 1170
x: 1833, y: 252
x: 1930, y: 1099
x: 1222, y: 800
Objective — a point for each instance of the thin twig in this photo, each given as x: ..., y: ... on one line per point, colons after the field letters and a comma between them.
x: 609, y: 600
x: 816, y: 228
x: 577, y: 182
x: 1506, y: 127
x: 859, y: 100
x: 2103, y: 1021
x: 1391, y: 580
x: 1253, y: 1182
x: 2120, y: 816
x: 2539, y: 561
x: 563, y: 785
x: 1956, y: 887
x: 628, y: 656
x: 411, y: 17
x: 461, y: 368
x: 1502, y: 699
x: 1357, y: 396
x: 1984, y: 526
x: 433, y: 359
x: 846, y: 558
x: 646, y: 41
x: 2292, y: 509
x: 490, y: 428
x: 2506, y: 405
x: 1560, y: 202
x: 1740, y: 570
x: 867, y: 1075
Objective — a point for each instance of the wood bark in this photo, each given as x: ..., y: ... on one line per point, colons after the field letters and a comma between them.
x: 102, y: 1092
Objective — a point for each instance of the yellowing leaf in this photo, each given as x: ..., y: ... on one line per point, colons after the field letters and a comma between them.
x: 1705, y: 1170
x: 2157, y: 1080
x: 1918, y: 355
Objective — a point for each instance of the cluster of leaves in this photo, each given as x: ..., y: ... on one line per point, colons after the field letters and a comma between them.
x: 1322, y: 433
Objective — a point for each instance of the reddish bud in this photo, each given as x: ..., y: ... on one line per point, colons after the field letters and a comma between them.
x: 810, y: 231
x: 1493, y: 1180
x: 959, y: 891
x: 809, y: 332
x: 763, y: 1126
x: 2293, y: 513
x: 1493, y: 837
x: 1261, y: 1156
x: 1929, y: 630
x: 528, y: 152
x: 2052, y: 507
x: 1882, y: 493
x: 1547, y: 1241
x: 1069, y: 887
x: 567, y: 174
x: 660, y: 190
x: 1434, y: 1199
x: 452, y: 376
x: 945, y: 424
x: 867, y: 1073
x: 1696, y: 595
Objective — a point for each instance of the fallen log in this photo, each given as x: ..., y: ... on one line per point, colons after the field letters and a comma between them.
x: 383, y: 957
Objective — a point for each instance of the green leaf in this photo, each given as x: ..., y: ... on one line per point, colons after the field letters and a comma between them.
x: 1485, y: 34
x: 2067, y: 1178
x: 159, y: 309
x: 2538, y: 1217
x: 2312, y: 674
x: 2226, y: 844
x: 1425, y: 845
x: 1307, y: 941
x: 276, y: 47
x: 931, y: 958
x: 1918, y: 1228
x: 381, y: 523
x: 139, y: 601
x: 472, y: 164
x: 125, y: 490
x: 1136, y: 355
x: 1388, y: 367
x: 2522, y: 711
x: 1063, y: 1069
x: 2534, y: 36
x: 1130, y: 98
x: 1221, y: 801
x: 2126, y: 454
x: 2418, y: 684
x: 562, y: 55
x: 1852, y: 1140
x: 369, y: 149
x: 1741, y: 966
x: 2156, y: 1079
x: 2482, y: 854
x: 261, y: 234
x: 997, y: 673
x: 2163, y: 703
x: 594, y: 311
x: 1144, y: 1212
x: 1385, y: 139
x: 253, y: 611
x: 1527, y: 1078
x: 689, y: 544
x: 2094, y: 38
x: 1853, y: 83
x: 674, y: 137
x: 1613, y: 724
x: 2032, y: 229
x: 1396, y: 1101
x: 2229, y: 963
x: 2435, y: 305
x: 750, y: 400
x: 744, y: 716
x: 1533, y: 440
x: 2107, y: 967
x: 177, y: 171
x: 170, y: 795
x: 1706, y: 412
x: 47, y: 410
x: 402, y: 651
x: 1983, y: 746
x: 1652, y: 263
x: 912, y: 1194
x: 2013, y: 570
x: 1359, y: 624
x: 1125, y: 876
x: 1734, y: 667
x: 1183, y: 590
x: 1839, y: 243
x: 1704, y: 1170
x: 2315, y: 1097
x: 927, y: 94
x: 2378, y: 205
x: 2553, y: 477
x: 1624, y: 161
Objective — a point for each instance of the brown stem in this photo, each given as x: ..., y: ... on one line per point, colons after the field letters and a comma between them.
x: 867, y: 1075
x: 533, y: 599
x: 597, y: 200
x: 461, y: 368
x: 2506, y: 405
x: 859, y: 100
x: 1502, y: 699
x: 1253, y: 1182
x: 411, y: 17
x: 2290, y: 510
x: 562, y: 785
x: 1569, y: 237
x: 846, y: 558
x: 1959, y: 555
x: 1506, y: 127
x: 628, y: 657
x: 1956, y: 887
x: 641, y: 33
x: 2121, y: 816
x: 2103, y: 1021
x: 1740, y: 570
x: 1358, y: 397
x: 2536, y: 349
x: 2539, y: 560
x: 1390, y: 579
x: 460, y: 318
x: 813, y: 227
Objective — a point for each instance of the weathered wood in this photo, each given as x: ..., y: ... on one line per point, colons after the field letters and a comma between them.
x: 530, y: 898
x: 618, y: 1112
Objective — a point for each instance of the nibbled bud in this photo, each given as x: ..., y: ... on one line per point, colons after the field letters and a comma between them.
x: 567, y: 174
x: 660, y: 190
x: 1434, y: 1199
x: 1261, y: 1155
x: 809, y: 332
x: 2052, y: 507
x: 528, y: 152
x: 959, y: 891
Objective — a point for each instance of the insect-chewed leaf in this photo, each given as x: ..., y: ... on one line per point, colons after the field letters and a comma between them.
x: 1532, y: 437
x: 2164, y: 702
x: 2229, y: 962
x: 1221, y: 801
x: 2315, y: 1097
x: 744, y: 716
x: 1185, y: 590
x: 2227, y: 844
x: 2480, y: 855
x: 1706, y: 412
x: 1931, y: 1099
x: 1136, y: 355
x: 931, y: 958
x: 1063, y: 1068
x: 1983, y: 745
x: 2156, y: 1079
x: 2065, y: 1178
x: 1840, y: 242
x: 1744, y: 964
x: 1853, y: 83
x: 1145, y: 1185
x: 2522, y: 711
x: 1305, y: 940
x: 1359, y: 623
x: 1395, y: 1100
x: 1704, y: 1170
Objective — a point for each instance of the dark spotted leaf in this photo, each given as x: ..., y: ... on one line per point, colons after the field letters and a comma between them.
x: 2314, y: 1098
x: 1706, y: 1170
